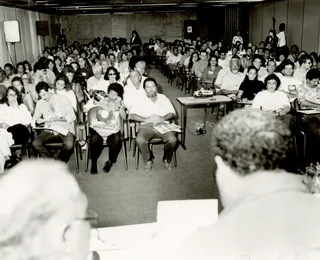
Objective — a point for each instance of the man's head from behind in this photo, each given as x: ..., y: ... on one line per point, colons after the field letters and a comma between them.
x: 245, y: 142
x: 45, y: 215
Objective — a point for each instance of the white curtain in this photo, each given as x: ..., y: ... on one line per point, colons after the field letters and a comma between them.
x: 30, y: 45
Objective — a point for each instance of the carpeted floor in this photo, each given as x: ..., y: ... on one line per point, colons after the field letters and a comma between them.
x: 130, y: 197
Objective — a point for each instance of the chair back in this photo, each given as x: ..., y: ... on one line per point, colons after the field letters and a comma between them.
x: 92, y: 116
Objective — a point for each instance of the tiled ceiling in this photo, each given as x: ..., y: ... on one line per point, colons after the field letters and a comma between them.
x: 71, y: 7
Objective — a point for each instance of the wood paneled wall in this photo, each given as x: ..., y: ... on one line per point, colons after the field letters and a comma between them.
x: 168, y: 26
x: 302, y: 19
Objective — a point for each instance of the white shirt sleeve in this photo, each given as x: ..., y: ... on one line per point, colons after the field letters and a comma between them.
x: 25, y: 115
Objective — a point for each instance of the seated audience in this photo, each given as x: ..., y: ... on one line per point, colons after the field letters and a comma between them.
x: 210, y: 72
x: 26, y: 96
x: 153, y: 108
x: 250, y: 85
x: 271, y: 66
x: 97, y: 81
x: 133, y: 90
x: 77, y: 82
x: 29, y: 86
x: 63, y: 88
x: 231, y: 80
x: 289, y: 84
x: 112, y: 76
x: 109, y: 115
x: 273, y: 100
x: 200, y: 65
x: 305, y: 62
x: 250, y: 148
x: 14, y: 118
x: 54, y: 112
x: 124, y: 67
x: 174, y: 58
x: 8, y: 69
x: 48, y: 210
x: 257, y: 62
x: 84, y: 69
x: 309, y: 98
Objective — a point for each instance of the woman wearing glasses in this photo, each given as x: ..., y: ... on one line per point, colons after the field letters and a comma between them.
x: 14, y: 118
x: 112, y: 76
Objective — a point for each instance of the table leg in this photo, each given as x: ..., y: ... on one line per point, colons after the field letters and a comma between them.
x: 225, y: 109
x: 183, y: 124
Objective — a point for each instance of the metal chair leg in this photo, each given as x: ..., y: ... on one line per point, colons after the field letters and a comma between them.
x: 175, y: 159
x: 76, y: 156
x: 124, y: 150
x: 86, y: 158
x: 137, y: 157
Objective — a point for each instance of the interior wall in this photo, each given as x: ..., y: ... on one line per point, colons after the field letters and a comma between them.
x: 300, y: 16
x: 30, y: 44
x: 168, y: 26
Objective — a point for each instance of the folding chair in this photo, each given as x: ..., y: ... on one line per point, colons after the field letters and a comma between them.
x: 91, y: 120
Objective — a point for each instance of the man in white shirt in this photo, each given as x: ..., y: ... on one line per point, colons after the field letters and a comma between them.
x: 271, y: 66
x: 153, y: 108
x: 289, y: 84
x: 97, y: 81
x: 8, y: 68
x: 133, y: 90
x: 231, y: 80
x: 264, y: 205
x: 305, y: 62
x: 174, y: 58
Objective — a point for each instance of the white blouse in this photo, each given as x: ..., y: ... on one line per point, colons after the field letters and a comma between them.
x: 15, y: 115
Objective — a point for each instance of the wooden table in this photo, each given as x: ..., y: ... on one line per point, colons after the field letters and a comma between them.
x: 192, y: 102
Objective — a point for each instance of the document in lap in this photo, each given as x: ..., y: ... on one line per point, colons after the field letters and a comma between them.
x: 165, y: 127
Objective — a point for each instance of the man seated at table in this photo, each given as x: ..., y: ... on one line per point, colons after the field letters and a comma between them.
x: 231, y: 80
x: 174, y: 58
x: 305, y: 62
x: 264, y: 205
x: 55, y: 112
x: 151, y: 109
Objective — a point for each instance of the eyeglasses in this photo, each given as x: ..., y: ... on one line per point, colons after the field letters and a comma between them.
x: 111, y: 74
x: 91, y: 216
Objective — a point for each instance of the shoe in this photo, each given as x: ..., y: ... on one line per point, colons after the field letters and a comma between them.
x: 107, y: 166
x: 167, y: 165
x: 94, y: 169
x: 148, y: 166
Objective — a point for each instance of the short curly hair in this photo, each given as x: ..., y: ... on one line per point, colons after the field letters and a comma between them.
x: 249, y: 140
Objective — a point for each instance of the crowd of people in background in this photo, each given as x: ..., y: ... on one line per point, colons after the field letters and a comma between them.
x: 58, y: 87
x: 106, y: 79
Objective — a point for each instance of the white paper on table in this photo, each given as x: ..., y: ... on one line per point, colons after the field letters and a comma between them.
x: 177, y: 220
